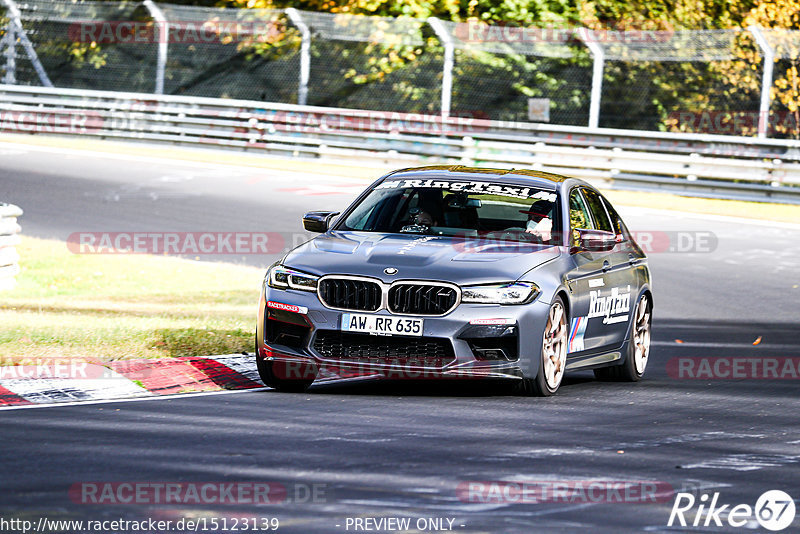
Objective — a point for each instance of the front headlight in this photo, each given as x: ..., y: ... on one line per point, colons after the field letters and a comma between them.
x: 281, y: 277
x: 510, y: 293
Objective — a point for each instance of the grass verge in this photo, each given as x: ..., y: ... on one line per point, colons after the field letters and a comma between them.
x: 103, y: 307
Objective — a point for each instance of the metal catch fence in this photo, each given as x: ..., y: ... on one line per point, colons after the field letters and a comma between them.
x: 704, y: 81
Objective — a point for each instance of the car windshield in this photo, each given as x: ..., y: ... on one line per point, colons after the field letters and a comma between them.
x: 491, y: 210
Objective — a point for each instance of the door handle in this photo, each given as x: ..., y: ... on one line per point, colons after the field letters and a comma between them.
x: 606, y: 266
x: 633, y: 260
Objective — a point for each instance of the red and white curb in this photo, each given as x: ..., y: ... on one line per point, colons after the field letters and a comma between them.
x: 125, y: 379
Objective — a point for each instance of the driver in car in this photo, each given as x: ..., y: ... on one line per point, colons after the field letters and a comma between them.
x: 430, y: 205
x: 540, y: 219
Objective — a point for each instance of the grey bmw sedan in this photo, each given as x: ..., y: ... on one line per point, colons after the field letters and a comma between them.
x: 451, y: 272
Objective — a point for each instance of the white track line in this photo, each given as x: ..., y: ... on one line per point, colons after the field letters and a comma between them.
x: 135, y: 399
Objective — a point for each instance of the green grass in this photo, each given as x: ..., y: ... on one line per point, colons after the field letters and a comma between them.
x: 107, y: 307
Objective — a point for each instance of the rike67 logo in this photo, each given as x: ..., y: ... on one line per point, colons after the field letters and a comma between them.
x: 774, y: 510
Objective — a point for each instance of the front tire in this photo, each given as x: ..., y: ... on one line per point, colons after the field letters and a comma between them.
x: 553, y: 356
x: 638, y: 347
x: 267, y: 372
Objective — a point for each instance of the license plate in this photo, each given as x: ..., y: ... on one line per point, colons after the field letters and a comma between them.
x: 381, y: 325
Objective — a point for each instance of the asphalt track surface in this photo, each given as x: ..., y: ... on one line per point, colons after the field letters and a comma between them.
x: 404, y: 450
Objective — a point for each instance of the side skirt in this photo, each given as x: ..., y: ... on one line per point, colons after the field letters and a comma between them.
x: 593, y: 361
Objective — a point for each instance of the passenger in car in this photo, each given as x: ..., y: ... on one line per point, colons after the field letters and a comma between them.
x: 540, y: 220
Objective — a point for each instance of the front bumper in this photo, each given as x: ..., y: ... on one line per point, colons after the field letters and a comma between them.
x: 290, y: 327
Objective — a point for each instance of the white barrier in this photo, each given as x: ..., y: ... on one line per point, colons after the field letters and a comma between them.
x: 730, y: 166
x: 9, y: 239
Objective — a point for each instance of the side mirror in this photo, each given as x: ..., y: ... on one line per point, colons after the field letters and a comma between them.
x: 317, y: 221
x: 595, y: 240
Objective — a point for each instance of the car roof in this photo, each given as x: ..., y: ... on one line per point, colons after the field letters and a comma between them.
x: 544, y: 180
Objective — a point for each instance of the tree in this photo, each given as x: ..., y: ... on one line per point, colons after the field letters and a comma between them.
x: 779, y: 16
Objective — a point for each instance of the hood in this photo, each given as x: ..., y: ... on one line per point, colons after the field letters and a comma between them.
x: 456, y: 259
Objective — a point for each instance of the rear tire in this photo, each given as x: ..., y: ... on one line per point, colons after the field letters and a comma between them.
x: 553, y: 355
x: 638, y: 347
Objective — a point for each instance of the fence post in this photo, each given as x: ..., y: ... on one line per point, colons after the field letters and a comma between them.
x: 766, y: 79
x: 9, y: 239
x: 305, y: 54
x: 598, y: 58
x: 163, y: 43
x: 16, y: 21
x: 10, y: 42
x: 447, y: 70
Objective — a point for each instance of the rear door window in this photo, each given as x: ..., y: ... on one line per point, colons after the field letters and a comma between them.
x: 595, y: 204
x: 618, y: 226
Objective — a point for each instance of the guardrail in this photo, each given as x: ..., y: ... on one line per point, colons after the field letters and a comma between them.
x: 716, y: 165
x: 9, y: 239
